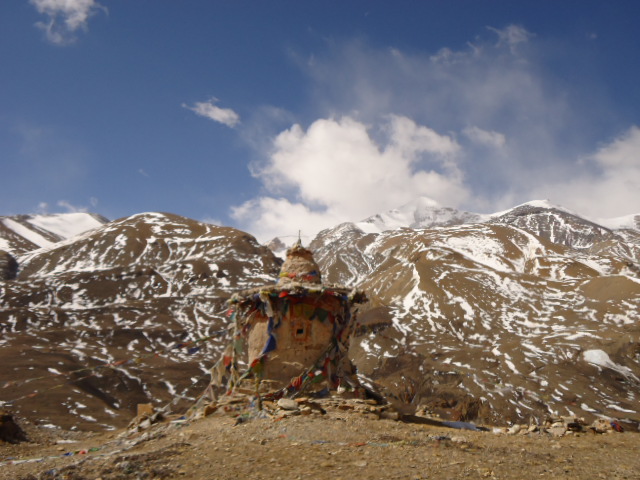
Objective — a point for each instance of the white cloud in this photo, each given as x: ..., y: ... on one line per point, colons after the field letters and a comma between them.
x: 512, y: 36
x: 209, y: 110
x: 621, y: 154
x: 482, y: 128
x: 484, y: 137
x: 65, y: 18
x: 268, y: 217
x: 71, y: 208
x: 68, y: 207
x: 518, y: 126
x: 43, y: 208
x: 605, y: 184
x: 335, y: 172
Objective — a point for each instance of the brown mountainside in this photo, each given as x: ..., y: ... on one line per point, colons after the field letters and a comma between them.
x: 128, y: 291
x: 531, y: 312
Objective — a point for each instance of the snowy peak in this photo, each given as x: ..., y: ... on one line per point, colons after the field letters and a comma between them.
x: 20, y: 234
x: 532, y: 206
x: 421, y: 213
x: 554, y: 223
x: 542, y: 218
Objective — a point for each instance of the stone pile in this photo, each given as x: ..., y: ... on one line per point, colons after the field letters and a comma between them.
x: 238, y: 405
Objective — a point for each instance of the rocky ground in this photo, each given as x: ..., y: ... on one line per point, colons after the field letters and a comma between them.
x: 339, y: 444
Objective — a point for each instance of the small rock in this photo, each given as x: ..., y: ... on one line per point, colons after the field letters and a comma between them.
x: 600, y: 426
x: 575, y: 427
x: 209, y: 409
x: 514, y: 429
x: 558, y: 430
x: 288, y: 404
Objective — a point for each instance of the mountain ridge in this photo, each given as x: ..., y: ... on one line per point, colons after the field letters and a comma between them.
x: 530, y: 312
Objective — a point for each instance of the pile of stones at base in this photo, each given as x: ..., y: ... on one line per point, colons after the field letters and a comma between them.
x: 243, y: 407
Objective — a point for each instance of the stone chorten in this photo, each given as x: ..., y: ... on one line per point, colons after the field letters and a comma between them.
x: 299, y: 267
x: 291, y: 336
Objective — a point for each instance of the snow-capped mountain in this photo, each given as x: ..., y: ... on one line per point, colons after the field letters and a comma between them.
x: 421, y: 213
x: 511, y: 311
x: 554, y: 223
x: 124, y: 293
x: 22, y: 233
x: 529, y: 311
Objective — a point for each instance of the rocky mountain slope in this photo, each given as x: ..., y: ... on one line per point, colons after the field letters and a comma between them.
x: 533, y: 310
x: 500, y: 317
x: 91, y: 324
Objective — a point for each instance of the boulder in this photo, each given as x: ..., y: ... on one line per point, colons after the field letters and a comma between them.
x: 8, y: 266
x: 10, y: 431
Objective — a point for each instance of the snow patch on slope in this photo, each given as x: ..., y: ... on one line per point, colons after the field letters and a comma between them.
x: 27, y: 233
x: 631, y: 222
x: 66, y: 225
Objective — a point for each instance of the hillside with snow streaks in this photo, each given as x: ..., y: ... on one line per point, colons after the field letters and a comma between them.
x: 501, y: 311
x: 525, y: 312
x: 131, y: 289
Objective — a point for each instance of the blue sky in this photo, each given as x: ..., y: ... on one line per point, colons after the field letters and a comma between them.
x: 275, y: 116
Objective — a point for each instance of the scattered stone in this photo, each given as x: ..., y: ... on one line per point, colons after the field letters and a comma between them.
x: 514, y: 429
x: 575, y: 427
x: 558, y: 430
x: 288, y: 404
x: 601, y: 426
x: 209, y: 409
